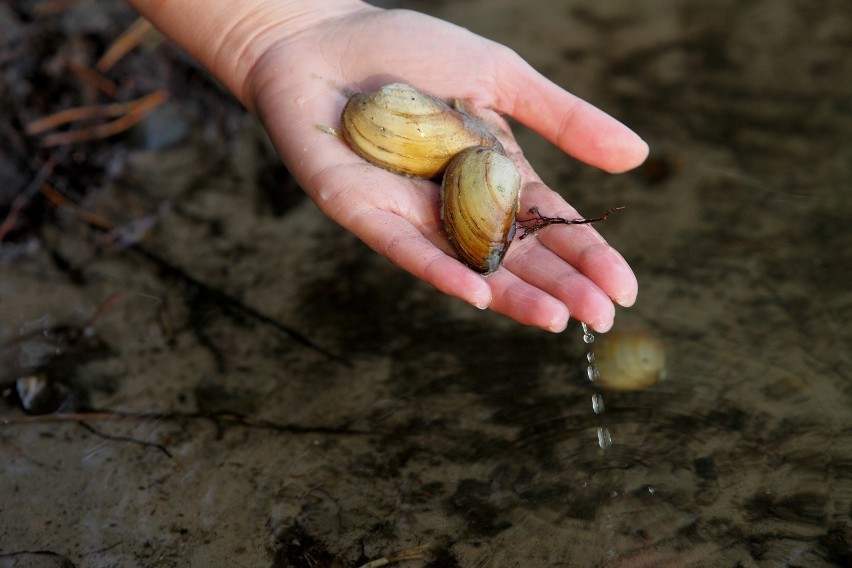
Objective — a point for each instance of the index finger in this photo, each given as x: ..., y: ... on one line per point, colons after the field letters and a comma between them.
x: 575, y: 126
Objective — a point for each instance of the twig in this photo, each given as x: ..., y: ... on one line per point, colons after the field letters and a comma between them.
x: 100, y: 434
x: 95, y: 415
x: 131, y: 37
x: 105, y: 306
x: 60, y: 200
x: 24, y: 197
x: 408, y: 554
x: 87, y: 112
x: 533, y: 225
x: 52, y: 7
x: 64, y: 561
x: 233, y: 304
x: 134, y: 112
x: 93, y: 78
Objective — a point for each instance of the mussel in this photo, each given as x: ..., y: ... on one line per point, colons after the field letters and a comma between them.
x: 480, y: 197
x: 405, y: 131
x: 630, y: 360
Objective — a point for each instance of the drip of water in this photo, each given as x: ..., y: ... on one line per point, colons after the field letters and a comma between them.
x: 604, y: 438
x: 593, y: 373
x: 588, y: 336
x: 597, y: 403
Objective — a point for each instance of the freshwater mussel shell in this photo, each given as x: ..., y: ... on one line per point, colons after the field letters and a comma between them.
x: 407, y: 132
x: 480, y: 197
x: 630, y: 360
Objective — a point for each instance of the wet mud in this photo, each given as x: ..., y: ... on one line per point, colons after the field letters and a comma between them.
x: 199, y: 369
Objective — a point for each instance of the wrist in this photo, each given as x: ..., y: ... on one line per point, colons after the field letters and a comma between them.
x: 229, y: 37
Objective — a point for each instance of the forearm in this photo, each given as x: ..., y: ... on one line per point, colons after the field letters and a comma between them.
x: 229, y: 36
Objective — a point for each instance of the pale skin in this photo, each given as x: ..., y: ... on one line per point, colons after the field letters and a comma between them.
x: 293, y: 63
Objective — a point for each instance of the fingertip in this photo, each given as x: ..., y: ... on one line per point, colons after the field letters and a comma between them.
x: 556, y: 314
x: 480, y: 297
x: 625, y: 287
x: 602, y: 325
x: 527, y: 304
x: 625, y: 299
x: 610, y: 271
x: 558, y: 324
x: 626, y: 152
x: 576, y: 126
x: 592, y: 306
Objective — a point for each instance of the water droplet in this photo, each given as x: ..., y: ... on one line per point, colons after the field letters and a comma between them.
x: 590, y: 356
x: 598, y: 403
x: 604, y: 438
x: 593, y: 372
x: 588, y: 336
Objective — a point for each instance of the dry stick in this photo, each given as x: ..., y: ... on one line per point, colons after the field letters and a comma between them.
x: 60, y: 200
x: 56, y: 558
x: 137, y: 111
x: 105, y: 414
x: 409, y: 554
x: 52, y: 7
x: 89, y: 112
x: 104, y: 307
x: 127, y: 439
x: 24, y: 197
x: 131, y: 37
x: 93, y: 78
x: 533, y: 225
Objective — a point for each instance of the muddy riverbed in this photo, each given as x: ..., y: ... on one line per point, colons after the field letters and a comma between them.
x: 200, y: 369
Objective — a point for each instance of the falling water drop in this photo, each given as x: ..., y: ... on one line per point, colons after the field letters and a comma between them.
x: 588, y: 336
x: 604, y: 438
x: 593, y: 373
x: 598, y: 403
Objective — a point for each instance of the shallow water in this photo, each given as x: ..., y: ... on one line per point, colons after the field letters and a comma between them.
x: 331, y: 410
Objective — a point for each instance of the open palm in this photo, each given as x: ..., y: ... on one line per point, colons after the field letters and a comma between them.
x: 304, y: 80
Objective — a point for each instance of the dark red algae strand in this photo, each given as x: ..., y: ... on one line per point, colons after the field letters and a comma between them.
x: 532, y: 225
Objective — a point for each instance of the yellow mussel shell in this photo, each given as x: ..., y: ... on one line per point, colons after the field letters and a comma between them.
x: 405, y: 131
x: 480, y: 197
x: 629, y: 360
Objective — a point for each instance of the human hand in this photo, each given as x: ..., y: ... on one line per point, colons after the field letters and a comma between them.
x: 300, y: 79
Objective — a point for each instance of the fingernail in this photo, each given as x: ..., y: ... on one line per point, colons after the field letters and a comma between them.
x: 601, y: 326
x: 625, y: 298
x: 481, y: 301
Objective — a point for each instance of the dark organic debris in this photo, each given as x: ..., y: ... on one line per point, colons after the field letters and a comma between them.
x: 37, y: 558
x: 538, y: 221
x: 75, y: 88
x: 296, y: 548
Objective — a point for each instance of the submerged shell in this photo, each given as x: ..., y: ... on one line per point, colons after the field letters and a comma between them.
x: 480, y: 196
x: 630, y: 360
x: 400, y: 129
